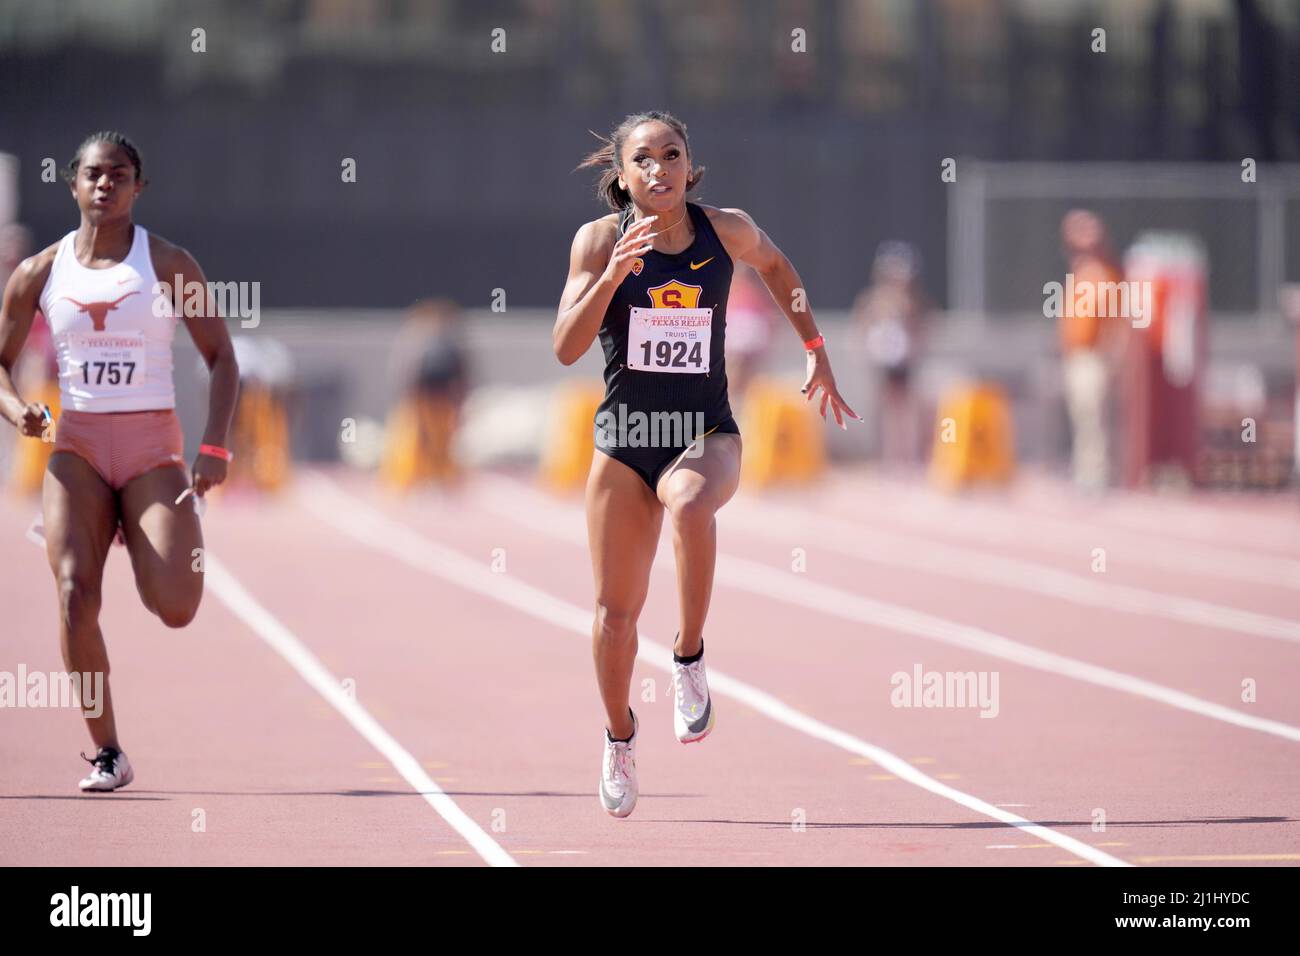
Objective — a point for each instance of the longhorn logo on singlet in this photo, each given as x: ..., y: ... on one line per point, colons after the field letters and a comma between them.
x: 98, y: 311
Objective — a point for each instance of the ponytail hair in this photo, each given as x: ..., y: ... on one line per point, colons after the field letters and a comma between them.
x: 608, y: 158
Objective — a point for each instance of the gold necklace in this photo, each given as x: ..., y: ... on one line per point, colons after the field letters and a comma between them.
x: 665, y: 229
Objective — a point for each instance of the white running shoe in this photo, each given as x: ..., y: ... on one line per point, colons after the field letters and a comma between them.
x: 618, y: 789
x: 111, y: 770
x: 693, y: 714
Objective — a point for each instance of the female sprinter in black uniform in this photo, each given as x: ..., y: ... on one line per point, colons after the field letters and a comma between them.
x: 118, y: 447
x: 652, y: 281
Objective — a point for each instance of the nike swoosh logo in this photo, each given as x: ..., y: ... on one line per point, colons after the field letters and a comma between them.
x: 126, y: 280
x: 704, y: 263
x: 608, y: 802
x: 703, y: 722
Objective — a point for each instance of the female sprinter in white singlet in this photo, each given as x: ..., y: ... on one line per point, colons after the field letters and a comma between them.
x: 108, y: 292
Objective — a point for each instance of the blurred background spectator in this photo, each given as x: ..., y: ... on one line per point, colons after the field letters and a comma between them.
x: 752, y: 319
x: 891, y: 315
x: 430, y: 364
x: 1091, y: 340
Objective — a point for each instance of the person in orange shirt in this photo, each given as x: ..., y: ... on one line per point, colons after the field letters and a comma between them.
x: 1088, y: 337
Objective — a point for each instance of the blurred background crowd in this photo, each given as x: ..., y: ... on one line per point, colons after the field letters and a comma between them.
x: 929, y: 167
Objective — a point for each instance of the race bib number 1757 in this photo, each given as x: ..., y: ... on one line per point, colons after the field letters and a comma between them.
x: 106, y: 360
x: 669, y: 340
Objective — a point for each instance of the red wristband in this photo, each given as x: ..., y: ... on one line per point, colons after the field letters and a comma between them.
x: 815, y: 343
x: 216, y: 451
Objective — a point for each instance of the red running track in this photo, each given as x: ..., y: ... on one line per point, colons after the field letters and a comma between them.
x: 382, y: 680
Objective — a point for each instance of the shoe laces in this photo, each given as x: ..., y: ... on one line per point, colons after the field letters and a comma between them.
x: 618, y: 760
x: 103, y: 760
x: 693, y: 675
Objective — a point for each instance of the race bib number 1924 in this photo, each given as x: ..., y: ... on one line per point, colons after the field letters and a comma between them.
x: 669, y: 340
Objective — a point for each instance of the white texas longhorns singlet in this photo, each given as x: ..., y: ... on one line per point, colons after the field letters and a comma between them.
x: 115, y: 353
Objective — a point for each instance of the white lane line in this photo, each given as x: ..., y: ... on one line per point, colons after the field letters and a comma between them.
x: 1150, y: 514
x: 309, y: 667
x: 987, y: 522
x: 770, y: 583
x: 882, y: 547
x: 356, y: 518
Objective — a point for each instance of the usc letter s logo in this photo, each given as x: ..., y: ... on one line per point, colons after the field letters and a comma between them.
x: 675, y: 295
